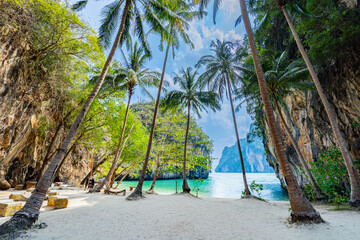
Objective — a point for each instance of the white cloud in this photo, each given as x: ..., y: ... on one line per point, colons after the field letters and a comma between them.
x: 194, y: 34
x: 230, y: 6
x: 215, y: 33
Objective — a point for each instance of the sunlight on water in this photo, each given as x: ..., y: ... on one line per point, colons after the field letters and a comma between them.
x: 221, y: 185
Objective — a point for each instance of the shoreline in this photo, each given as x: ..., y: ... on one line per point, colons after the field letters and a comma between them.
x: 177, y: 216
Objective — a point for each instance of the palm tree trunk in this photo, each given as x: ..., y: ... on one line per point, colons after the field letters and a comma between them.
x: 117, y: 155
x: 353, y: 175
x: 185, y: 185
x: 138, y: 191
x: 247, y: 191
x: 111, y: 182
x: 175, y: 181
x: 127, y: 173
x: 156, y: 176
x: 48, y: 155
x: 302, y: 210
x: 28, y: 215
x: 113, y: 178
x: 297, y: 149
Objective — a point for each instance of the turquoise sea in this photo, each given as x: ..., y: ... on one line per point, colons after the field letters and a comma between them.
x: 221, y: 185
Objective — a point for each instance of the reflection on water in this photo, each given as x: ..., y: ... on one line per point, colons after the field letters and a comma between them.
x: 221, y: 185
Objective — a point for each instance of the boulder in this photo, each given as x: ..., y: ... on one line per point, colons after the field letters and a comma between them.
x: 9, y: 208
x: 4, y: 185
x: 19, y: 187
x: 61, y: 202
x: 53, y: 193
x: 52, y: 199
x: 30, y: 184
x: 19, y: 197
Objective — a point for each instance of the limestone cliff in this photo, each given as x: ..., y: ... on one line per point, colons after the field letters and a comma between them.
x: 31, y: 105
x: 309, y: 123
x: 253, y: 154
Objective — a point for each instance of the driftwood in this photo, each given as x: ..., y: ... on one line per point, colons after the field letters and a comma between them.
x: 115, y: 191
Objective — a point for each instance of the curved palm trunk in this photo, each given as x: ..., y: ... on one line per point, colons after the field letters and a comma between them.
x: 156, y: 176
x: 353, y: 175
x: 28, y: 215
x: 127, y: 173
x: 48, y: 155
x: 302, y: 210
x: 297, y: 149
x: 185, y: 185
x: 247, y: 191
x: 113, y: 178
x: 117, y: 154
x: 138, y: 191
x: 111, y: 182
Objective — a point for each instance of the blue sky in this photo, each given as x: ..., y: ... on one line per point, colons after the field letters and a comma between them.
x: 219, y: 125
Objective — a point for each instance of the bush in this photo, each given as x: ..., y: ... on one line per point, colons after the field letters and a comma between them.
x: 331, y: 176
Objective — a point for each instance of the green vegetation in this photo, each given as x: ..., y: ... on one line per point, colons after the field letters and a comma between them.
x: 255, y: 187
x: 331, y: 175
x: 64, y: 102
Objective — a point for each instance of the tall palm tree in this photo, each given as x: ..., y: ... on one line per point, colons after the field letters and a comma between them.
x: 154, y: 12
x: 189, y: 97
x: 282, y: 79
x: 127, y: 78
x: 176, y: 27
x: 302, y: 210
x: 222, y: 72
x: 353, y: 175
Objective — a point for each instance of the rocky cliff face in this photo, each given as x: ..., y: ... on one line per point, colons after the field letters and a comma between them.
x: 253, y: 154
x: 28, y: 99
x: 309, y: 123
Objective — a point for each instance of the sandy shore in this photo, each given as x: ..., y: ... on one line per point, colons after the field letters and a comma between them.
x: 100, y: 216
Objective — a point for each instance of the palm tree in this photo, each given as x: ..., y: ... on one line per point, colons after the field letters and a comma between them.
x: 134, y: 73
x: 302, y: 210
x: 282, y: 79
x: 154, y: 12
x: 353, y: 175
x: 176, y: 27
x: 191, y: 97
x: 222, y: 71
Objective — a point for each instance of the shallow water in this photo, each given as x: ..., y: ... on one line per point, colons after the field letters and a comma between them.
x: 221, y: 185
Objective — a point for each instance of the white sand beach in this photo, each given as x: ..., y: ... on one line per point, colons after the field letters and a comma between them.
x: 100, y: 216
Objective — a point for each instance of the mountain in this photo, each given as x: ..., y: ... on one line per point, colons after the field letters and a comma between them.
x: 253, y: 154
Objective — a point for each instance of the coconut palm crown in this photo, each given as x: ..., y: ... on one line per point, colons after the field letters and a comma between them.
x: 224, y: 62
x: 190, y: 94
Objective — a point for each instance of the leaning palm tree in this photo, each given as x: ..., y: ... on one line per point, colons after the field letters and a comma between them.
x: 127, y: 78
x: 221, y: 74
x: 189, y: 97
x: 154, y: 12
x: 302, y: 210
x: 283, y: 79
x: 353, y: 175
x: 176, y: 27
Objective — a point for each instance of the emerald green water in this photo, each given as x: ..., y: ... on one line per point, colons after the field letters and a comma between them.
x: 220, y: 185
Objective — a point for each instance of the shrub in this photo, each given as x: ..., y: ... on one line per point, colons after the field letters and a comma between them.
x: 331, y: 176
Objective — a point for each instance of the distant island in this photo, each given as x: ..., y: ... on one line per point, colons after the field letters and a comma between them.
x: 253, y: 154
